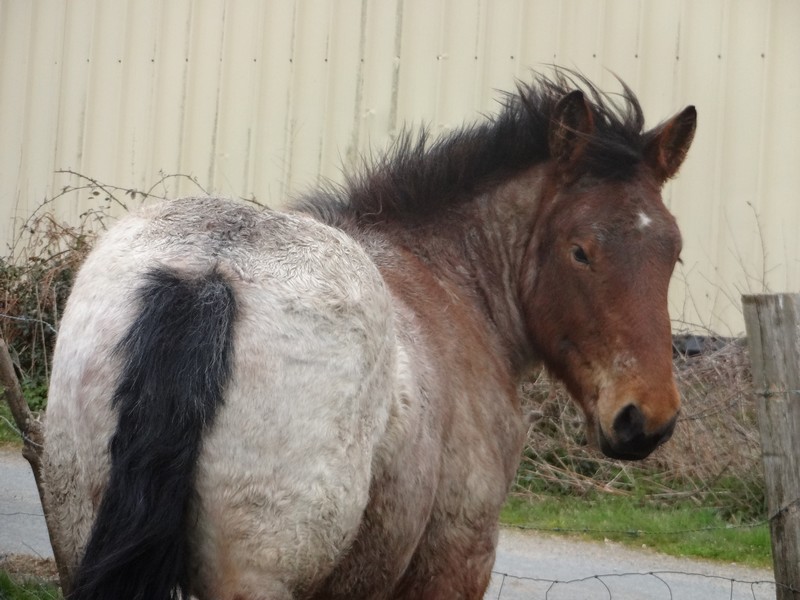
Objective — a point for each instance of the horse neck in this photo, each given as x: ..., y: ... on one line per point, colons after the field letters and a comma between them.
x: 479, y: 247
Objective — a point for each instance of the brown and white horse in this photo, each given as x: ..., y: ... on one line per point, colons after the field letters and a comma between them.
x: 322, y: 403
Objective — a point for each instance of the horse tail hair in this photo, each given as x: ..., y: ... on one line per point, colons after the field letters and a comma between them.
x: 176, y: 361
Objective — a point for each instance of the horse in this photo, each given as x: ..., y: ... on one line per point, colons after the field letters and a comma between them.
x: 321, y: 402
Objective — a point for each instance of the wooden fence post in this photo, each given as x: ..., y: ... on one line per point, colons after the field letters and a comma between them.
x: 773, y: 333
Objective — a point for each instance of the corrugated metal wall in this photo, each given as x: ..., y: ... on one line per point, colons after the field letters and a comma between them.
x: 260, y: 99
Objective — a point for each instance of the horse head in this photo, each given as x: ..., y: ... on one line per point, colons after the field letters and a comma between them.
x: 598, y: 267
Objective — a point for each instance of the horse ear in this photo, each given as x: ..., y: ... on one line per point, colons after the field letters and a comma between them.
x: 571, y: 127
x: 670, y: 142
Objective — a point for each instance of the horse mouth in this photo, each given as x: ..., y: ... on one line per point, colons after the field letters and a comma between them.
x: 636, y: 447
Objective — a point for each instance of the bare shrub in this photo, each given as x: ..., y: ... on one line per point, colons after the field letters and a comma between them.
x: 37, y: 273
x: 35, y: 284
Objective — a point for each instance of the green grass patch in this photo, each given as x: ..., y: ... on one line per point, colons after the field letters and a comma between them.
x: 27, y: 589
x: 36, y: 397
x: 8, y: 432
x: 678, y: 529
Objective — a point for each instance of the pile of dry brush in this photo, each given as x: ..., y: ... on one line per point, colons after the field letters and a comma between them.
x: 713, y: 458
x: 35, y: 279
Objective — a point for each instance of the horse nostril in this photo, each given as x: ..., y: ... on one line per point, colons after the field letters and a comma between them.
x: 630, y: 441
x: 629, y: 425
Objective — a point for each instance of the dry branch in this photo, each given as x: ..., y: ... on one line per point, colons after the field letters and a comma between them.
x: 33, y: 444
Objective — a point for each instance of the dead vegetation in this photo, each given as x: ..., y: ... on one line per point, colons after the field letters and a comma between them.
x: 24, y: 566
x: 35, y: 283
x: 39, y: 265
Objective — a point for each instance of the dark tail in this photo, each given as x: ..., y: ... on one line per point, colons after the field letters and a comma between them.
x: 176, y: 360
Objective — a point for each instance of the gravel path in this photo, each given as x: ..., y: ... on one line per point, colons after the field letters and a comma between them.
x: 526, y: 567
x: 611, y: 570
x: 22, y: 527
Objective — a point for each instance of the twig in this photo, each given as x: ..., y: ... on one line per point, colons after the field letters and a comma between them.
x: 108, y: 190
x: 11, y: 426
x: 33, y: 440
x: 29, y: 320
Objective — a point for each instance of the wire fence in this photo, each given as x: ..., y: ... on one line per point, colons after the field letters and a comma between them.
x: 553, y: 567
x: 654, y: 585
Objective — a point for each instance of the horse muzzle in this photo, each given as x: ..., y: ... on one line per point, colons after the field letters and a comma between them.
x: 629, y: 438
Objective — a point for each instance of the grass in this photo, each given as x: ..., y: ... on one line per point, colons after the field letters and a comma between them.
x: 8, y: 434
x: 36, y: 397
x: 684, y: 530
x: 12, y: 588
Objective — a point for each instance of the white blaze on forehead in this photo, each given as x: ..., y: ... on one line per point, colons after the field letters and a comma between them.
x: 644, y: 220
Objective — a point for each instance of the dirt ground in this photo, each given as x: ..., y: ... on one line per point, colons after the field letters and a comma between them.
x: 21, y: 565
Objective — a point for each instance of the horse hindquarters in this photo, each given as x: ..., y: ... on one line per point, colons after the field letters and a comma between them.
x: 175, y: 358
x: 282, y: 478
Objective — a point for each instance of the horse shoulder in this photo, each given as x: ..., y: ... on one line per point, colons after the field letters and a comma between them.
x: 472, y: 407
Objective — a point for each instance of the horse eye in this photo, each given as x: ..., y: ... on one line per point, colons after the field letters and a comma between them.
x: 579, y: 255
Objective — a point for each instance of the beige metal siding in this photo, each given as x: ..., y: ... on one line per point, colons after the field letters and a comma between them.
x: 264, y: 99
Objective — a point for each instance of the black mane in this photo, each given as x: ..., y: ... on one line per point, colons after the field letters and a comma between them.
x: 417, y: 176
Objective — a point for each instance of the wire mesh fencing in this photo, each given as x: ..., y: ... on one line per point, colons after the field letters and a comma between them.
x: 652, y: 585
